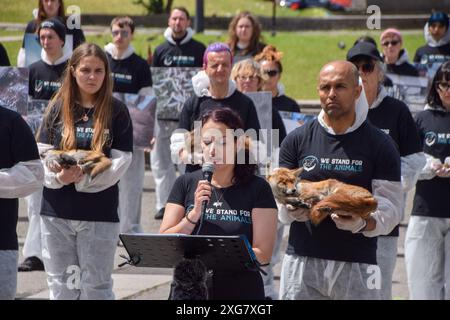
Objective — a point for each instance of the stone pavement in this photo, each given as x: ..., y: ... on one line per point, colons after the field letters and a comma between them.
x: 152, y: 283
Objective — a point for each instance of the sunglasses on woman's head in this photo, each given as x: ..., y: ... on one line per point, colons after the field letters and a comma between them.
x: 392, y: 43
x: 271, y: 73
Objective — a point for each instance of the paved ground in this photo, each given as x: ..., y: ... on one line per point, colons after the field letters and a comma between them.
x: 149, y: 283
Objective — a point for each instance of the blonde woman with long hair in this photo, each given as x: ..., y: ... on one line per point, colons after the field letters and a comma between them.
x: 79, y: 218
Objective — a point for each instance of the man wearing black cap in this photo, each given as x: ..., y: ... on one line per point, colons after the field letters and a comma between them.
x: 44, y: 81
x: 394, y: 118
x: 437, y: 35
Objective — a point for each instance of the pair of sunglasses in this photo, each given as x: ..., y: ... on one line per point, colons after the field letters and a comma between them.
x: 271, y: 73
x: 392, y: 43
x: 366, y: 67
x: 123, y: 33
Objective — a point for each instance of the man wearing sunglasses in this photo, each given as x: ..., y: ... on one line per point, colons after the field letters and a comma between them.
x: 437, y: 35
x: 396, y: 57
x: 394, y: 118
x: 130, y: 74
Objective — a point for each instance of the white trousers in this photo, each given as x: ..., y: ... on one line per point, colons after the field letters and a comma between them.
x: 162, y: 166
x: 386, y: 259
x: 130, y: 194
x: 427, y: 257
x: 79, y: 258
x: 32, y: 246
x: 8, y: 274
x: 305, y: 278
x: 268, y: 280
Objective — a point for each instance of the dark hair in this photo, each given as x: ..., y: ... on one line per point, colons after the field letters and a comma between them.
x: 183, y: 9
x: 123, y: 22
x: 242, y: 172
x: 366, y: 39
x: 443, y: 73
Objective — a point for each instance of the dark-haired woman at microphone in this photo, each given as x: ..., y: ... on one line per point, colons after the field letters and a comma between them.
x: 239, y: 202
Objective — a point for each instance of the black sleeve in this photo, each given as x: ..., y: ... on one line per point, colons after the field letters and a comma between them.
x: 187, y: 113
x: 263, y: 195
x: 47, y: 130
x: 122, y: 129
x: 408, y: 135
x: 387, y: 166
x: 252, y: 121
x: 23, y: 144
x: 78, y: 38
x: 277, y: 123
x: 145, y: 76
x: 156, y: 58
x: 288, y: 151
x: 31, y: 82
x: 417, y: 55
x: 4, y: 60
x: 178, y: 193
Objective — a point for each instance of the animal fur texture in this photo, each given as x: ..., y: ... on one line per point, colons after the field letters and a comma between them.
x: 322, y: 197
x: 91, y: 162
x: 189, y: 281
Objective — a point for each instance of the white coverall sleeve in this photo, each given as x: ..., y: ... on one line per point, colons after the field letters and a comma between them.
x: 389, y: 195
x: 177, y: 143
x: 411, y: 166
x: 146, y: 91
x: 21, y: 58
x: 427, y: 171
x: 21, y: 180
x: 121, y: 160
x: 283, y: 215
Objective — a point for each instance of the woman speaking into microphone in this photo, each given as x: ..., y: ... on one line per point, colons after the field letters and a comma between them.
x: 238, y: 203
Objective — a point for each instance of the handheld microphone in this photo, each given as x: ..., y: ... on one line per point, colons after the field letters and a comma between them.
x: 208, y: 170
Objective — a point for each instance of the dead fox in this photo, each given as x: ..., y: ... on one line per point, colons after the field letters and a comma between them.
x: 91, y: 162
x: 322, y: 197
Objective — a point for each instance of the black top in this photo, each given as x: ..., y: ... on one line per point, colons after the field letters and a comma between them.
x: 131, y: 74
x: 394, y: 118
x: 78, y: 35
x: 189, y: 54
x: 229, y: 212
x: 4, y: 60
x: 66, y: 202
x: 45, y: 79
x: 195, y: 106
x: 18, y: 145
x: 357, y: 158
x: 241, y: 54
x: 284, y: 103
x: 427, y: 54
x: 431, y: 198
x: 404, y: 69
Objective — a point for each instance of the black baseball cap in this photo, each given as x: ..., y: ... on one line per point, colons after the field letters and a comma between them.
x: 440, y: 17
x: 363, y: 49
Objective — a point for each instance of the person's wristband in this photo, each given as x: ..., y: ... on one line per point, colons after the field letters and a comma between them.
x: 186, y: 215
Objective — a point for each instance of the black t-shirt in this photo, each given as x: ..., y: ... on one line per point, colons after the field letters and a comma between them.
x: 427, y: 54
x: 431, y: 198
x: 284, y: 103
x: 4, y: 60
x: 394, y: 118
x: 196, y: 106
x: 229, y: 212
x: 45, y: 79
x: 131, y: 74
x: 189, y: 54
x: 18, y: 145
x: 66, y: 202
x: 356, y: 158
x: 404, y: 69
x: 78, y: 35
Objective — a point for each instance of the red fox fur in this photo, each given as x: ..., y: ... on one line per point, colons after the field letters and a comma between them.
x: 322, y: 197
x: 91, y: 162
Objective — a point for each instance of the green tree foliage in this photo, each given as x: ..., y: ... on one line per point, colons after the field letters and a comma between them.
x: 155, y: 6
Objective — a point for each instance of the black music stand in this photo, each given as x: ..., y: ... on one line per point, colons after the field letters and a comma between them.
x: 227, y: 253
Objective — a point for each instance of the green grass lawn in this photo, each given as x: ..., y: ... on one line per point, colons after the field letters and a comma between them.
x: 20, y: 10
x: 304, y: 53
